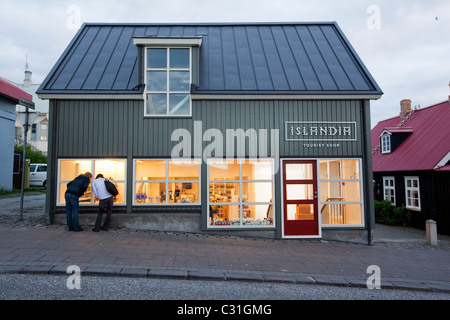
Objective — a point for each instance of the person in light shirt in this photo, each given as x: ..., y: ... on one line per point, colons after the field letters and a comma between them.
x: 106, y: 203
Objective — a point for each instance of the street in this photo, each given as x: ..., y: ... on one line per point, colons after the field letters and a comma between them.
x: 34, y: 257
x: 54, y: 287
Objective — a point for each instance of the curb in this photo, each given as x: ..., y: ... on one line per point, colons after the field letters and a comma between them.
x: 230, y: 275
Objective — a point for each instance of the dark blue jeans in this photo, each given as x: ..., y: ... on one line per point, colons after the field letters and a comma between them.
x: 104, y: 205
x: 72, y: 208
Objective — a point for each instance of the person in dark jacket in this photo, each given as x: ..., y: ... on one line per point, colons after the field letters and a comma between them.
x: 75, y: 189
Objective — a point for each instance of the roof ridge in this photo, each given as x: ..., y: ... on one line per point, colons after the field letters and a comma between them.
x: 208, y: 23
x: 416, y: 110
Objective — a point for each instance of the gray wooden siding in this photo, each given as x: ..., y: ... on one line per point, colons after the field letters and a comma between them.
x: 118, y: 128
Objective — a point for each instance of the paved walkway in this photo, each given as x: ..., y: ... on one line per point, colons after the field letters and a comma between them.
x: 32, y: 246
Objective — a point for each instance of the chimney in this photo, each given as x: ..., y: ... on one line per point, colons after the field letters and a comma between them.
x: 405, y: 107
x: 27, y: 80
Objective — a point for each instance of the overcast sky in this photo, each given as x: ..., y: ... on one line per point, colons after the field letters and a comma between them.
x: 405, y: 44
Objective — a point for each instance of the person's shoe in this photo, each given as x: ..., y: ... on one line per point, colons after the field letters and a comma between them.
x: 104, y: 229
x: 70, y: 229
x: 81, y: 229
x: 95, y: 230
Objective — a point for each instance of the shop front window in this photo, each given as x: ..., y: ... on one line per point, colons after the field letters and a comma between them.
x: 160, y: 182
x: 340, y: 192
x: 112, y: 169
x: 240, y: 193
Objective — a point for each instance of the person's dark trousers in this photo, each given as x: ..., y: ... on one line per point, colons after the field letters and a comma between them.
x: 72, y: 209
x: 104, y: 205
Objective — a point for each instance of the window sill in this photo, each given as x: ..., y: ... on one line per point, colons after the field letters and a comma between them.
x: 414, y: 209
x: 167, y: 116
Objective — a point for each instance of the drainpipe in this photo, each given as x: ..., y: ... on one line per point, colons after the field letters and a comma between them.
x: 24, y: 162
x: 367, y: 163
x: 51, y: 162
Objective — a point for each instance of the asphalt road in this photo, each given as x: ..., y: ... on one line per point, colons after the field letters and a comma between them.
x: 54, y: 287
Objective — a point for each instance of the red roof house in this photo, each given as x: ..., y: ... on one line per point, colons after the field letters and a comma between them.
x: 12, y: 92
x: 411, y: 162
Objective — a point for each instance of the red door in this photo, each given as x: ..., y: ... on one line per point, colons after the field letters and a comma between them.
x: 300, y: 203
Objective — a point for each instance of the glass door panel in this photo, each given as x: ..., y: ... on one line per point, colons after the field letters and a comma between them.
x: 300, y: 198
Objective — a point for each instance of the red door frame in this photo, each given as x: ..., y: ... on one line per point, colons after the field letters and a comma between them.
x: 301, y: 228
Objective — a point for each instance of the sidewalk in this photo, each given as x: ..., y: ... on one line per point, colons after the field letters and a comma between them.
x: 32, y: 246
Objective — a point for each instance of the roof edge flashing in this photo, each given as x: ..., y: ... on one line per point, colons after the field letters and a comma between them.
x: 260, y: 23
x: 169, y: 41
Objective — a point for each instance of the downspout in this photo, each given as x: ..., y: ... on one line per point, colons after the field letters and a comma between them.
x: 368, y: 175
x: 51, y: 162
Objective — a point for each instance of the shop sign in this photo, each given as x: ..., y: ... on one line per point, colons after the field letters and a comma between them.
x: 320, y: 131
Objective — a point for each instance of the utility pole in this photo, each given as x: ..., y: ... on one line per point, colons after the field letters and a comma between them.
x: 28, y: 105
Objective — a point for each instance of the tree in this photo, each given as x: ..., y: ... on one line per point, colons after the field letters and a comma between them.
x: 34, y: 155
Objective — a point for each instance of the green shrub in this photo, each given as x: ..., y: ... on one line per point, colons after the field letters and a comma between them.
x: 386, y: 213
x: 383, y: 211
x: 34, y: 155
x: 401, y: 216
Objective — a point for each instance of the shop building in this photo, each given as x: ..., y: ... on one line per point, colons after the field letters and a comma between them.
x: 257, y: 129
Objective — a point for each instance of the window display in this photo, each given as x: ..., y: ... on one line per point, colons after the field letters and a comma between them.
x: 167, y: 182
x: 112, y: 169
x: 340, y: 192
x: 240, y: 193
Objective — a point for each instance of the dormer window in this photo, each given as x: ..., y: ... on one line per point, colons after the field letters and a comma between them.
x: 168, y: 82
x: 168, y: 75
x: 386, y: 143
x: 392, y: 137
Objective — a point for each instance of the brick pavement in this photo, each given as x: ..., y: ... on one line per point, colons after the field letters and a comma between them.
x: 32, y: 246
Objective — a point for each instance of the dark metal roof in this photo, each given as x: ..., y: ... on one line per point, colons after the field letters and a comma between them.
x: 253, y: 58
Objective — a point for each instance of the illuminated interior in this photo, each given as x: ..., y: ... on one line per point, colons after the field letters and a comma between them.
x: 167, y: 181
x: 240, y: 192
x: 340, y: 192
x: 113, y: 170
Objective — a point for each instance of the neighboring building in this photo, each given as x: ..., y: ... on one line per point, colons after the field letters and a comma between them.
x: 38, y: 118
x: 411, y: 162
x: 9, y: 97
x: 257, y: 129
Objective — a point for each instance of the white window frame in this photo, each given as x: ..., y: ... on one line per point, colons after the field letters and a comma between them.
x: 167, y: 181
x: 385, y: 143
x: 167, y: 92
x: 93, y: 177
x: 360, y: 180
x: 389, y: 188
x: 241, y: 202
x: 411, y: 189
